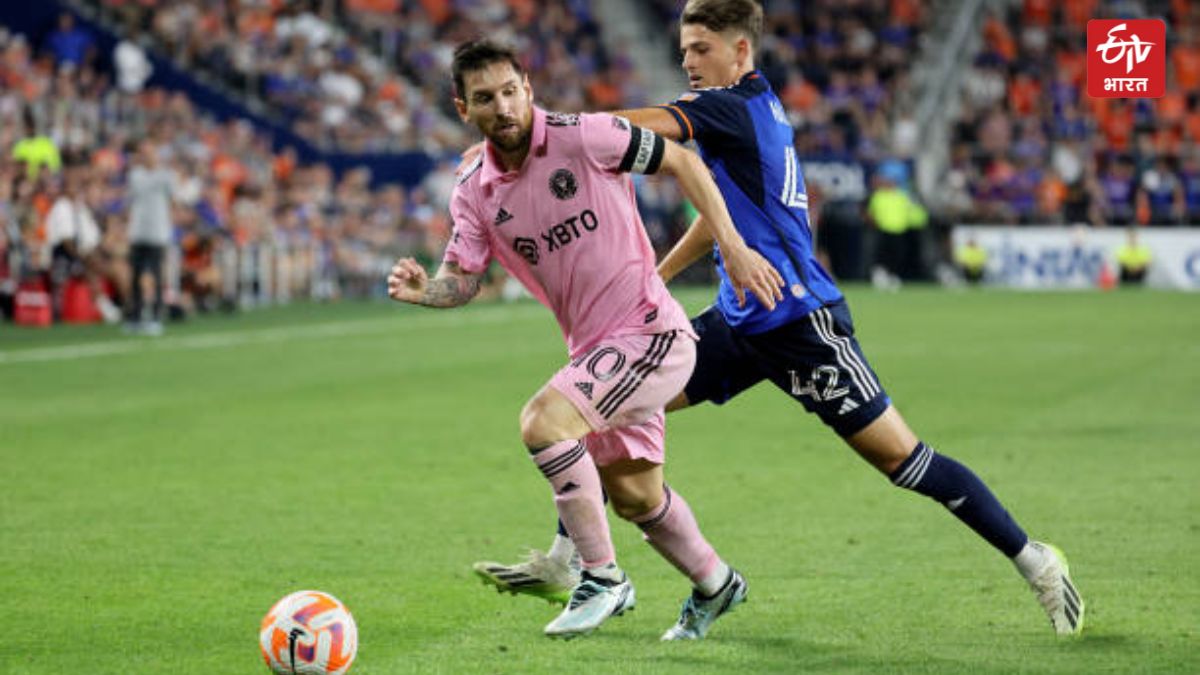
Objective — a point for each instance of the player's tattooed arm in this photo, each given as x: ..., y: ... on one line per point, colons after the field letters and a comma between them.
x: 452, y: 286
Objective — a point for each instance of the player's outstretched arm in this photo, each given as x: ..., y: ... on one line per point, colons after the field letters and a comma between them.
x: 692, y: 246
x: 747, y: 270
x: 657, y: 120
x: 409, y: 282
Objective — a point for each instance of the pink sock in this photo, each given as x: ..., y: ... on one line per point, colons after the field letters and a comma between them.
x: 579, y: 498
x: 672, y: 530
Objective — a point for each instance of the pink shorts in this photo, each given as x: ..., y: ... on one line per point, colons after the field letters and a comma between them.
x: 621, y: 386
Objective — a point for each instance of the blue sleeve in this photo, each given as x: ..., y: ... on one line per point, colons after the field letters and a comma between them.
x: 708, y: 115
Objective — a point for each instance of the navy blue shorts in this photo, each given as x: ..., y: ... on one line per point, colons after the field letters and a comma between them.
x: 815, y: 360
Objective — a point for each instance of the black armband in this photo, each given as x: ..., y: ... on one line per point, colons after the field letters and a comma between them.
x: 645, y: 152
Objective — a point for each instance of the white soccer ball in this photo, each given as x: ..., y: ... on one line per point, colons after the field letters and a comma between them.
x: 308, y: 633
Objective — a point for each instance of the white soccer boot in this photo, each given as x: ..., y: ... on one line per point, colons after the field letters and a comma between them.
x: 1056, y: 593
x: 699, y: 612
x: 592, y: 602
x: 539, y: 575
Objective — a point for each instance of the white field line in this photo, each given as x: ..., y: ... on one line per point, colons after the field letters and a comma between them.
x: 407, y: 323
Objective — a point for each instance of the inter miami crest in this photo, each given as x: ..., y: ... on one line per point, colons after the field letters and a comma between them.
x: 562, y: 184
x: 527, y: 248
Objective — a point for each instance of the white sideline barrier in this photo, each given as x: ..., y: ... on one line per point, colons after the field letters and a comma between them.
x: 256, y: 274
x: 1072, y: 257
x: 265, y: 274
x: 260, y: 274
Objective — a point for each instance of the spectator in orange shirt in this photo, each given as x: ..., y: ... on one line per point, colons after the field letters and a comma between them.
x: 255, y: 24
x: 999, y: 39
x: 1023, y: 94
x: 1171, y: 108
x: 1191, y: 121
x: 437, y: 10
x: 603, y: 93
x: 799, y: 94
x: 1117, y: 125
x: 374, y: 6
x: 108, y: 162
x: 1078, y: 12
x: 229, y: 174
x: 392, y: 89
x: 284, y: 165
x: 907, y: 12
x: 1181, y: 8
x: 524, y: 11
x: 1039, y: 12
x: 1073, y: 63
x: 1051, y: 196
x: 1185, y: 57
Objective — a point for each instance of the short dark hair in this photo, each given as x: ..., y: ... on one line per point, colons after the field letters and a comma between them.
x: 744, y: 16
x: 476, y: 55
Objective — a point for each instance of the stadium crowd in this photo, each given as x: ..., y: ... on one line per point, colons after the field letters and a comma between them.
x: 1032, y: 147
x: 841, y: 67
x: 73, y: 117
x: 369, y: 75
x: 71, y: 137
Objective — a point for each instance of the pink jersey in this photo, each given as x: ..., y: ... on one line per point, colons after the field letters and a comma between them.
x: 566, y: 226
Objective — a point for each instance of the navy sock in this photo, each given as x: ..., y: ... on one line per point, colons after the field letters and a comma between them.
x: 958, y: 489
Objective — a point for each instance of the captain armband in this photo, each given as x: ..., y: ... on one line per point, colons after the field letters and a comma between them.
x: 645, y: 151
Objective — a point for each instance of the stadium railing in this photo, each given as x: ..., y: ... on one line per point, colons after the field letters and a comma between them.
x: 934, y: 111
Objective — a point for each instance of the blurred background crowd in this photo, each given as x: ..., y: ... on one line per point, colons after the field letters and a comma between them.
x: 252, y: 217
x: 1032, y: 147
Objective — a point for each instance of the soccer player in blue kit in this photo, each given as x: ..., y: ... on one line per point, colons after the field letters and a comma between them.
x: 806, y: 345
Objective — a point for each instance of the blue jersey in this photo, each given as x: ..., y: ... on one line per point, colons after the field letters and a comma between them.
x: 746, y: 140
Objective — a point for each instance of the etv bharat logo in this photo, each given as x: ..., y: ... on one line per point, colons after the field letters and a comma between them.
x: 1126, y: 58
x: 1133, y: 50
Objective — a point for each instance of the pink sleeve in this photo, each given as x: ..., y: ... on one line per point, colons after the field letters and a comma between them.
x: 616, y: 145
x: 469, y: 246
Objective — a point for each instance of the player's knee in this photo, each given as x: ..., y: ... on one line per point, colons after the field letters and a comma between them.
x: 538, y: 427
x: 633, y: 502
x: 634, y: 507
x: 886, y: 443
x: 549, y: 417
x: 532, y: 432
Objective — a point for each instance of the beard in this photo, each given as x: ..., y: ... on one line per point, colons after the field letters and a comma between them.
x: 508, y: 143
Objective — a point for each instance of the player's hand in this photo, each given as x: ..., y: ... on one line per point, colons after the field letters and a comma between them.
x: 407, y: 281
x: 749, y: 271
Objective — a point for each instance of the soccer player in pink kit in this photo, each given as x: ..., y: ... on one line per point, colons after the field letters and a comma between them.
x: 551, y: 200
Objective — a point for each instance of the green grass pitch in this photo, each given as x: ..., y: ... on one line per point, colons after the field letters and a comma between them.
x: 156, y: 497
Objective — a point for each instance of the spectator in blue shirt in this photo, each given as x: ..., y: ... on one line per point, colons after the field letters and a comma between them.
x: 69, y: 42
